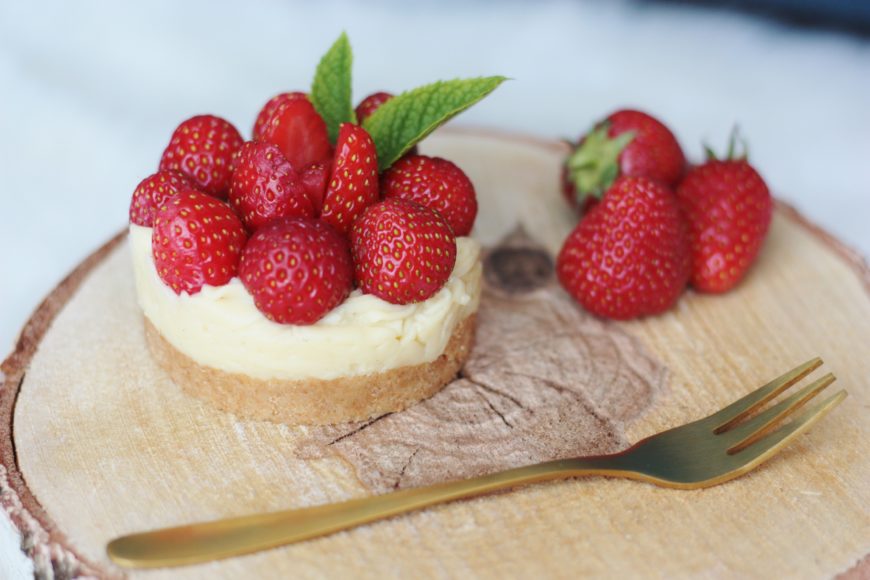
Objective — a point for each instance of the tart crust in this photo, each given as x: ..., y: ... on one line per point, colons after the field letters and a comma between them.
x: 314, y: 401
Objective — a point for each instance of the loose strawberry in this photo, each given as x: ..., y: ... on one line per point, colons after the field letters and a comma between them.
x: 315, y: 178
x: 202, y: 148
x: 265, y: 114
x: 298, y: 131
x: 353, y: 182
x: 152, y: 192
x: 196, y: 240
x: 435, y: 183
x: 370, y: 104
x: 627, y: 142
x: 629, y: 256
x: 265, y: 186
x: 297, y: 270
x: 403, y: 252
x: 728, y: 208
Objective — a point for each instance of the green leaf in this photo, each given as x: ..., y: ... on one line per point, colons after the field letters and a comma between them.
x: 331, y: 91
x: 401, y: 122
x: 594, y: 165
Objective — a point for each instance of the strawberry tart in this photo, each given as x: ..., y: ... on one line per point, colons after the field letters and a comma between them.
x: 321, y: 272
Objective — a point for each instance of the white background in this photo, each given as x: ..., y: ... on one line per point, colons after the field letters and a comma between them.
x: 90, y: 92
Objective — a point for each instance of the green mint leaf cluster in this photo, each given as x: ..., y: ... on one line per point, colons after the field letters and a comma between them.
x: 407, y: 118
x: 401, y: 122
x: 331, y: 91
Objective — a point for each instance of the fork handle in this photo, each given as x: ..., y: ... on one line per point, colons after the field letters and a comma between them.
x: 207, y: 541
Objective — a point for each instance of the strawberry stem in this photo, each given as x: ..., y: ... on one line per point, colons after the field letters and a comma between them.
x: 594, y: 164
x: 734, y: 139
x: 711, y: 154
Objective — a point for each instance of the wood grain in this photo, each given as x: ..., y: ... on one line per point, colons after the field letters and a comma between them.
x: 104, y: 444
x: 545, y: 381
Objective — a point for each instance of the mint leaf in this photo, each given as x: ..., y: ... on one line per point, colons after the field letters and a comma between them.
x: 330, y: 91
x: 401, y: 122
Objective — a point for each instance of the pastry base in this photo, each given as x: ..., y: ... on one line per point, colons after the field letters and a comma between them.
x: 314, y: 401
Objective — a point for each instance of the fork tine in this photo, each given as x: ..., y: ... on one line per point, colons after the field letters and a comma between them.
x: 770, y: 445
x: 745, y: 434
x: 743, y: 407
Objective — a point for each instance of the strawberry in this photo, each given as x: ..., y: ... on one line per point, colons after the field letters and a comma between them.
x: 297, y: 270
x: 152, y: 192
x: 629, y: 256
x: 299, y: 132
x: 315, y: 177
x: 728, y: 208
x: 627, y: 142
x: 202, y: 148
x: 403, y: 252
x: 370, y: 104
x: 435, y: 183
x: 265, y: 186
x: 196, y: 240
x: 265, y: 114
x: 353, y: 182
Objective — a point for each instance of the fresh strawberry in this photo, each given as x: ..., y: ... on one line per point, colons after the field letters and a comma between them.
x: 202, y: 148
x: 299, y: 132
x: 728, y: 208
x: 627, y: 142
x: 370, y: 104
x: 297, y: 270
x: 315, y: 177
x: 629, y: 256
x: 403, y: 252
x: 353, y: 182
x: 265, y: 186
x: 152, y: 192
x: 269, y: 109
x: 435, y: 183
x: 196, y: 240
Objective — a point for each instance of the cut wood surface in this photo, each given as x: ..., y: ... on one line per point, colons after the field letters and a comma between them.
x: 98, y: 442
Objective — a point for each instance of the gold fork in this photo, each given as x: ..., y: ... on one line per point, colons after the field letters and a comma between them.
x: 703, y: 453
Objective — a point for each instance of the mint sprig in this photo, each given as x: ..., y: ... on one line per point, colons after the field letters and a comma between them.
x: 398, y: 124
x: 331, y: 89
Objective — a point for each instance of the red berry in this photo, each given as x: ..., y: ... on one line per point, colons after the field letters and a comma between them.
x: 196, y: 240
x: 435, y: 183
x: 403, y: 252
x: 629, y: 256
x: 370, y: 104
x: 353, y: 182
x: 298, y: 131
x: 297, y: 270
x: 627, y: 142
x: 728, y: 208
x: 315, y: 177
x: 152, y: 192
x: 653, y: 152
x: 269, y: 109
x: 202, y: 148
x: 265, y: 186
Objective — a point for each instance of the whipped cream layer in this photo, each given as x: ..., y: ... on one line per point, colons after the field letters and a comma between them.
x: 221, y: 328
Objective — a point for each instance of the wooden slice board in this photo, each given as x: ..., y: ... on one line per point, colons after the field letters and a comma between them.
x: 97, y: 442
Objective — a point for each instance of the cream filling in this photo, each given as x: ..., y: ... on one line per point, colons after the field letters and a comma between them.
x: 221, y: 328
